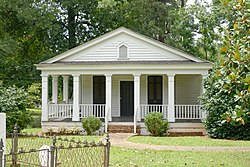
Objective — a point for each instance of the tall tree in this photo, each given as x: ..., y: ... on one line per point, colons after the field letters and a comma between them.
x: 228, y: 85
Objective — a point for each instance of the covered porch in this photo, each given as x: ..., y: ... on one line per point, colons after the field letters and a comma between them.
x: 122, y: 97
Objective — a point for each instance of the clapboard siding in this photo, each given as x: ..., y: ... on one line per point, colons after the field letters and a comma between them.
x: 187, y: 89
x: 137, y: 50
x: 143, y: 90
x: 165, y: 89
x: 87, y: 89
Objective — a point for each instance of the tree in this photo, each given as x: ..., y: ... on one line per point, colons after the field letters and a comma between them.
x: 13, y: 103
x: 228, y: 85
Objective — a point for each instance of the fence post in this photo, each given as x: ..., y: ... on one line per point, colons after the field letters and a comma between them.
x: 1, y: 153
x: 107, y: 151
x: 15, y: 146
x: 52, y: 153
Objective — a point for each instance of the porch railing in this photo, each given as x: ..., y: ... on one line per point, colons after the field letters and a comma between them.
x: 60, y: 110
x: 147, y: 108
x: 188, y: 112
x: 97, y: 110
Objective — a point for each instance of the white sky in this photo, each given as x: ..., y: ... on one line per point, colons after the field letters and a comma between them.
x: 189, y: 2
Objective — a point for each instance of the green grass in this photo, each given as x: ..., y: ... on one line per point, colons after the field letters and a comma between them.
x: 131, y: 157
x: 126, y: 157
x: 32, y: 130
x: 35, y: 111
x: 188, y: 141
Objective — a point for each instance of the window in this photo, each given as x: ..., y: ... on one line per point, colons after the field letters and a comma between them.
x: 154, y: 90
x: 99, y: 90
x: 123, y: 52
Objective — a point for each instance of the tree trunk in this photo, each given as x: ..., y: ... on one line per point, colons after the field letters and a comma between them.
x: 71, y: 28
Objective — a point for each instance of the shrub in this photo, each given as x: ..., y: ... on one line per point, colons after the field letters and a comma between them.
x: 13, y: 103
x: 155, y: 124
x: 91, y: 124
x: 34, y: 97
x: 228, y: 85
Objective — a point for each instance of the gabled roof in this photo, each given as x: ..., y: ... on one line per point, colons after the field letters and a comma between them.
x: 115, y: 33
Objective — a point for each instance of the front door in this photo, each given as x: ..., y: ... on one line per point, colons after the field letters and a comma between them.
x: 127, y: 98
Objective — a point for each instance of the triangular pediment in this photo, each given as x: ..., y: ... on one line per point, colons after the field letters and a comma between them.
x: 139, y: 48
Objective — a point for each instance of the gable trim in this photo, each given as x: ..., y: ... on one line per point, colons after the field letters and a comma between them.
x: 116, y: 32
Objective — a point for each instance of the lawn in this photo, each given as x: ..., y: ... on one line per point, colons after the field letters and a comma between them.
x: 149, y: 158
x: 126, y: 157
x: 188, y: 141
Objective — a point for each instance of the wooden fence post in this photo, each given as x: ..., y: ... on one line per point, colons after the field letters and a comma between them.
x: 52, y: 153
x: 15, y: 146
x: 1, y: 153
x: 107, y: 151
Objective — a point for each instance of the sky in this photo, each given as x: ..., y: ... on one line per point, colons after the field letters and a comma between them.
x: 190, y: 2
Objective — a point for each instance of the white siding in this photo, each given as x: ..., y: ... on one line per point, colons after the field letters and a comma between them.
x: 165, y: 89
x: 87, y: 89
x: 137, y: 50
x: 187, y: 89
x: 143, y: 89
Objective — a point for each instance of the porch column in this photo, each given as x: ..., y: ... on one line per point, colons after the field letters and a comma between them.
x: 54, y: 89
x: 76, y: 110
x: 203, y: 90
x: 137, y: 96
x: 171, y: 98
x: 66, y: 89
x: 108, y: 95
x: 44, y: 97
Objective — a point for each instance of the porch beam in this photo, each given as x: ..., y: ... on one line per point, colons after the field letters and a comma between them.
x: 44, y: 97
x: 137, y: 97
x: 171, y: 98
x: 66, y: 89
x: 76, y: 78
x: 108, y: 95
x: 55, y: 89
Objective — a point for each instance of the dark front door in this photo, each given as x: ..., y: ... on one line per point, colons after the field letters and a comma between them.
x: 127, y: 98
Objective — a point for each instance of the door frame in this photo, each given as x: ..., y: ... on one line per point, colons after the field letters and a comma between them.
x: 119, y: 93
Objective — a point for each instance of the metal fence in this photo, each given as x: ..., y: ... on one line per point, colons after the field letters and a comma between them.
x: 48, y: 151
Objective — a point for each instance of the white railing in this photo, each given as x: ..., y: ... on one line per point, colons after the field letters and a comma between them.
x: 147, y: 108
x: 97, y: 110
x: 60, y: 110
x: 188, y: 112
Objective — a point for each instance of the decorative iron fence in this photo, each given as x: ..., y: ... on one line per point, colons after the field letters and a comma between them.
x: 48, y: 151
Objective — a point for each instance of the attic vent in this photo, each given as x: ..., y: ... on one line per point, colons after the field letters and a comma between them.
x: 123, y: 52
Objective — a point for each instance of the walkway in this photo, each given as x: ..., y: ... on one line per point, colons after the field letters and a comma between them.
x: 120, y: 140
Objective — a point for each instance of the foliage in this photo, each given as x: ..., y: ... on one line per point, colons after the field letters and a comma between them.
x: 34, y: 95
x: 155, y: 124
x: 228, y: 84
x: 91, y: 124
x: 12, y: 102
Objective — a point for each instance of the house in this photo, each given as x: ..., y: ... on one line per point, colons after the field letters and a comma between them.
x: 120, y: 77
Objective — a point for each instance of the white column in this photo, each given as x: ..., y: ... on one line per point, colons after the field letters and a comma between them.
x: 55, y: 89
x: 76, y: 110
x: 66, y: 89
x: 204, y: 115
x: 3, y: 129
x: 137, y: 96
x: 171, y: 98
x: 44, y: 97
x: 108, y: 95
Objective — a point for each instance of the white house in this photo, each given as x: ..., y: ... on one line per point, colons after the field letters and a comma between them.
x: 121, y: 77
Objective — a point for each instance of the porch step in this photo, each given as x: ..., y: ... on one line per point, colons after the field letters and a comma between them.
x: 122, y: 129
x: 174, y: 134
x: 187, y: 129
